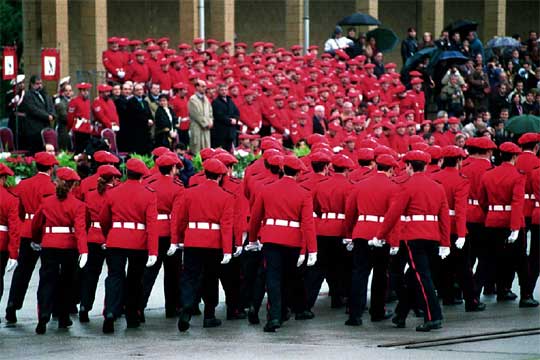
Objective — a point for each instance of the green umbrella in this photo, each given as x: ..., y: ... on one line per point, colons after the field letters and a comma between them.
x: 522, y: 124
x: 385, y: 39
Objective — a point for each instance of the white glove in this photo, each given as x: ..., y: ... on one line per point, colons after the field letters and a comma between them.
x: 394, y: 250
x: 301, y: 260
x: 244, y: 129
x: 83, y: 259
x: 376, y: 242
x: 513, y: 236
x: 244, y: 236
x: 115, y: 128
x: 238, y: 251
x: 172, y: 249
x: 121, y: 73
x: 172, y: 133
x: 256, y: 130
x: 253, y: 246
x: 11, y: 264
x: 337, y: 149
x: 35, y: 247
x: 444, y: 251
x: 286, y: 132
x: 151, y: 260
x: 226, y: 259
x: 312, y: 259
x: 460, y: 242
x: 348, y: 244
x: 104, y: 246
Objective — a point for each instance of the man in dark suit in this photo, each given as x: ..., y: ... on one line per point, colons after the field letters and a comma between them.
x: 319, y: 122
x: 121, y: 108
x: 39, y: 110
x: 226, y: 117
x: 140, y: 120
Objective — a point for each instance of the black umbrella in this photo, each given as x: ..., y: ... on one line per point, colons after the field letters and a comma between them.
x: 463, y: 27
x: 359, y: 19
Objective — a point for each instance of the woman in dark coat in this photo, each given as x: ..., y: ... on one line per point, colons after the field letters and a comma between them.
x: 166, y: 123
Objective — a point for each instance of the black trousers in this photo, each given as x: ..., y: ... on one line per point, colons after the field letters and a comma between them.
x: 4, y: 256
x: 90, y: 275
x: 26, y: 263
x: 253, y: 286
x: 397, y: 269
x: 330, y: 265
x: 421, y: 255
x: 201, y: 272
x: 280, y: 263
x: 534, y: 257
x: 172, y: 268
x: 230, y: 276
x: 57, y: 282
x: 476, y: 237
x: 457, y: 268
x: 367, y: 258
x: 121, y: 288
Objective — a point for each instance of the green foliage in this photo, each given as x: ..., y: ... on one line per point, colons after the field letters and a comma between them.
x: 66, y: 159
x: 301, y: 151
x: 197, y: 162
x: 243, y: 162
x: 148, y: 160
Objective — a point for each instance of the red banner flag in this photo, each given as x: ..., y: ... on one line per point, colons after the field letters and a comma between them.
x: 9, y: 63
x: 50, y: 64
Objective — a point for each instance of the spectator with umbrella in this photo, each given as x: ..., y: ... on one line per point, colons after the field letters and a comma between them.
x: 337, y: 41
x: 409, y: 46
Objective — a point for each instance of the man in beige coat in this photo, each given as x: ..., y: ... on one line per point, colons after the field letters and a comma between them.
x: 202, y: 119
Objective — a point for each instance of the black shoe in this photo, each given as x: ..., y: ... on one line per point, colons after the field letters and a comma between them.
x: 429, y: 325
x: 64, y: 322
x: 528, y: 303
x: 271, y: 326
x: 11, y: 315
x: 507, y: 296
x: 41, y: 327
x: 169, y: 313
x: 253, y: 316
x: 196, y: 311
x: 475, y: 307
x: 453, y: 301
x: 83, y: 316
x: 353, y: 321
x: 387, y: 315
x: 419, y: 313
x: 183, y: 321
x: 398, y: 321
x: 133, y: 323
x: 304, y: 315
x: 108, y: 326
x: 211, y: 323
x: 236, y: 314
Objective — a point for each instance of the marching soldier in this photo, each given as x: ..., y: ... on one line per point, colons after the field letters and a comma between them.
x: 59, y: 228
x: 104, y: 111
x: 101, y: 157
x: 30, y: 192
x: 128, y: 221
x: 78, y: 118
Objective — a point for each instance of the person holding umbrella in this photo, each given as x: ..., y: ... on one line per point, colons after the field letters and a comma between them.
x: 409, y: 46
x: 337, y: 41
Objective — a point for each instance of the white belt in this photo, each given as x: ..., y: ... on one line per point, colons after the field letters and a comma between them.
x: 164, y: 217
x: 473, y: 202
x: 204, y: 226
x: 3, y: 228
x: 58, y: 230
x: 280, y: 222
x: 128, y: 225
x: 537, y: 204
x: 28, y: 216
x: 500, y: 207
x: 95, y: 224
x: 529, y: 197
x: 371, y: 218
x: 409, y: 218
x: 451, y: 212
x: 314, y: 214
x: 333, y: 216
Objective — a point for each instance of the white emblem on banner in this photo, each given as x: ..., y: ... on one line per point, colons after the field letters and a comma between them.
x: 9, y: 65
x: 49, y: 65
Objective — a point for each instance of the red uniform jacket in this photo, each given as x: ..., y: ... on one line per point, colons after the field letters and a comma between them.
x: 502, y: 195
x: 457, y: 194
x: 10, y: 224
x: 367, y: 205
x: 535, y: 185
x: 167, y: 190
x: 422, y: 207
x: 31, y: 192
x: 329, y: 200
x: 105, y: 114
x: 78, y: 115
x: 241, y: 206
x: 94, y: 203
x: 203, y: 218
x: 526, y: 162
x: 128, y: 218
x: 138, y: 72
x: 400, y: 143
x: 300, y: 132
x: 162, y: 78
x: 114, y: 61
x: 473, y: 171
x: 250, y: 115
x: 441, y: 139
x: 70, y: 215
x: 285, y: 212
x: 361, y: 173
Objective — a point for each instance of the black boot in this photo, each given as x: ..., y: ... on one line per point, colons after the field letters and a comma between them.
x: 235, y: 314
x: 108, y: 325
x: 429, y: 325
x: 398, y: 321
x: 271, y: 326
x: 83, y: 316
x: 354, y: 321
x: 183, y: 321
x: 11, y: 315
x: 304, y: 315
x: 528, y: 302
x: 253, y: 316
x: 64, y: 322
x: 475, y: 307
x: 211, y: 322
x: 41, y: 327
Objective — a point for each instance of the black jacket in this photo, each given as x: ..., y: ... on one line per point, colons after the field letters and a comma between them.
x: 223, y: 111
x: 37, y: 112
x: 137, y: 132
x: 409, y: 46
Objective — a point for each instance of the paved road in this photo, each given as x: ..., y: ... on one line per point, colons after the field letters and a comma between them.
x: 323, y: 337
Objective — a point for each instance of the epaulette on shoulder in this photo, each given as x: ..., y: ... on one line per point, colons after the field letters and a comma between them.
x: 10, y: 191
x: 150, y: 189
x: 235, y: 180
x: 178, y: 182
x: 521, y: 172
x: 227, y: 191
x: 151, y: 181
x: 46, y: 195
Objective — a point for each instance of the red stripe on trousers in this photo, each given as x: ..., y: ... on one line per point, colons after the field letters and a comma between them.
x: 419, y: 282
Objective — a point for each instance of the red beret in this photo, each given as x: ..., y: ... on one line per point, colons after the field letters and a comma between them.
x: 105, y: 157
x: 160, y: 151
x: 279, y: 97
x: 417, y: 155
x: 137, y: 166
x: 296, y: 47
x: 268, y: 45
x: 270, y: 152
x: 401, y: 124
x: 149, y: 40
x: 415, y: 73
x: 163, y: 39
x: 435, y: 152
x: 376, y: 113
x: 123, y: 41
x: 439, y: 121
x: 179, y: 85
x: 381, y: 149
x: 226, y: 158
x: 214, y: 166
x: 529, y: 138
x: 184, y: 46
x: 390, y: 66
x: 387, y: 160
x: 350, y: 138
x: 104, y: 87
x: 454, y: 120
x: 241, y: 45
x: 269, y: 143
x: 139, y: 52
x: 206, y: 153
x: 168, y: 159
x: 415, y: 139
x: 275, y: 160
x: 153, y: 48
x: 509, y: 147
x: 369, y: 66
x: 419, y: 146
x: 198, y: 41
x: 5, y: 170
x: 212, y: 41
x: 112, y: 39
x: 416, y: 81
x: 368, y: 143
x: 365, y: 154
x: 45, y: 159
x: 225, y: 44
x: 135, y: 42
x: 425, y: 122
x: 334, y: 126
x: 483, y: 142
x: 452, y: 151
x: 67, y: 174
x: 84, y: 86
x: 315, y: 138
x: 320, y: 156
x: 293, y: 162
x: 342, y: 54
x: 108, y: 170
x: 343, y: 161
